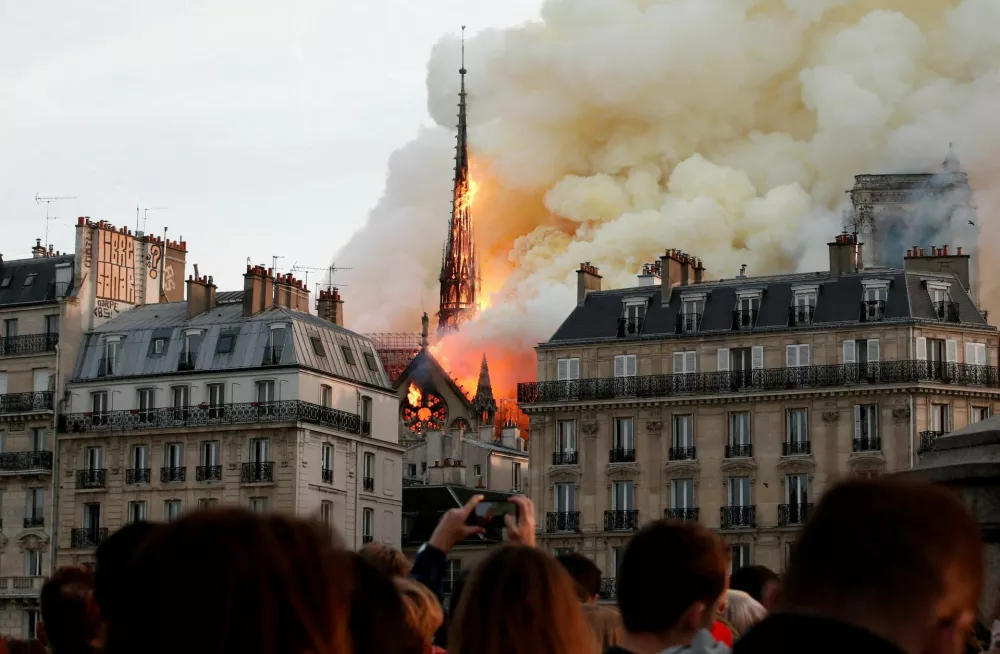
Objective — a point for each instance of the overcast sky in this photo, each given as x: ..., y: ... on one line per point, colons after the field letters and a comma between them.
x: 264, y: 127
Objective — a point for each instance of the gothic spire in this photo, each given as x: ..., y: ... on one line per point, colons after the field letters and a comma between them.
x: 484, y: 403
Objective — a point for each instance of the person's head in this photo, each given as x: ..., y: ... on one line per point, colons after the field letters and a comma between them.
x: 389, y: 561
x: 901, y: 559
x: 378, y: 617
x: 757, y: 581
x: 585, y: 574
x: 423, y: 611
x: 70, y: 619
x: 112, y: 558
x: 742, y: 611
x: 229, y: 580
x: 519, y: 599
x: 605, y: 624
x: 670, y: 581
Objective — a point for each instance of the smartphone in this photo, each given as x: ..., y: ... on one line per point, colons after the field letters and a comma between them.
x: 491, y: 514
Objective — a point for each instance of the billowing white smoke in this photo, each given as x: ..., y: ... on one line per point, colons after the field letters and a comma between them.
x: 612, y: 129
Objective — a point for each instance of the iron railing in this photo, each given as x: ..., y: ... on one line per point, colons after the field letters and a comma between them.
x: 764, y: 379
x: 23, y: 461
x: 186, y: 361
x: 562, y: 521
x: 790, y: 448
x: 621, y: 455
x: 683, y: 453
x: 621, y: 520
x: 868, y: 444
x: 872, y: 310
x: 688, y: 322
x: 568, y: 458
x: 203, y: 415
x: 681, y: 514
x: 801, y: 314
x: 258, y: 472
x: 87, y: 537
x: 609, y: 589
x: 91, y: 478
x: 327, y: 475
x: 28, y: 344
x: 739, y: 450
x: 137, y: 475
x: 948, y: 311
x: 793, y: 514
x: 20, y: 402
x: 744, y: 319
x: 369, y: 484
x: 272, y: 355
x: 733, y: 517
x: 629, y: 327
x: 34, y: 522
x: 208, y: 473
x: 927, y: 439
x: 21, y: 586
x: 170, y: 475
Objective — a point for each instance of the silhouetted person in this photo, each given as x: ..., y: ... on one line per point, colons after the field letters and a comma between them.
x: 113, y: 557
x: 585, y: 574
x: 757, y: 581
x: 71, y: 621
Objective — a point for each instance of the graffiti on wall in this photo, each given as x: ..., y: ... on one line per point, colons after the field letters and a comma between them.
x: 106, y: 309
x: 115, y: 266
x: 153, y: 260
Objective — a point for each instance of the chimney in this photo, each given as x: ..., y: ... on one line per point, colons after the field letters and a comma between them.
x: 650, y: 275
x: 283, y: 291
x: 699, y: 271
x: 486, y: 433
x: 940, y: 260
x: 330, y: 307
x: 511, y: 437
x: 845, y: 255
x: 588, y: 279
x: 200, y: 295
x: 670, y: 274
x: 38, y: 252
x: 258, y: 290
x: 685, y: 268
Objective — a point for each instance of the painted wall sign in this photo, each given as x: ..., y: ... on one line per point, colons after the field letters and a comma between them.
x: 115, y: 266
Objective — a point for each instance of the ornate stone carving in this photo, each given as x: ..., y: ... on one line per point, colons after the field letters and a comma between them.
x: 622, y: 472
x: 32, y: 540
x: 797, y: 465
x: 564, y: 474
x: 744, y: 468
x: 831, y: 416
x: 681, y: 469
x: 590, y: 414
x: 116, y: 470
x: 901, y: 414
x: 3, y: 543
x: 589, y: 428
x: 654, y: 427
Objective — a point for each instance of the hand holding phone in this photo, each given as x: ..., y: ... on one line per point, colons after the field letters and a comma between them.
x: 492, y: 515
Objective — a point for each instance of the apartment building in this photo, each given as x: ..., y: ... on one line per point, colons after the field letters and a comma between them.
x: 237, y: 398
x: 477, y: 460
x: 738, y: 402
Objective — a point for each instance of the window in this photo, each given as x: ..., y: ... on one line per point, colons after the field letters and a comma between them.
x: 684, y: 431
x: 477, y: 470
x: 30, y: 279
x: 978, y: 414
x: 798, y: 427
x: 567, y: 369
x: 189, y: 352
x: 516, y: 476
x: 423, y: 467
x: 617, y: 556
x: 326, y: 512
x: 632, y: 316
x: 210, y: 453
x: 35, y: 510
x: 140, y: 462
x: 796, y: 489
x: 876, y: 293
x: 873, y: 304
x: 216, y: 400
x: 739, y: 491
x: 10, y: 328
x: 975, y: 354
x: 370, y: 362
x: 92, y: 458
x: 180, y: 397
x: 739, y: 556
x: 157, y: 347
x: 861, y: 351
x: 796, y: 356
x: 739, y: 428
x: 939, y: 295
x: 565, y: 498
x: 803, y: 306
x: 327, y: 455
x: 317, y: 346
x: 566, y: 436
x: 866, y: 427
x: 37, y: 439
x: 941, y: 418
x: 747, y: 307
x: 207, y: 503
x: 136, y: 511
x: 275, y: 344
x: 622, y: 496
x: 6, y: 281
x: 259, y: 450
x: 99, y: 402
x: 109, y: 363
x: 326, y: 396
x: 258, y: 504
x: 625, y: 365
x: 367, y: 525
x: 452, y: 571
x: 368, y: 466
x: 174, y: 455
x: 171, y: 510
x: 147, y: 404
x: 741, y: 361
x: 226, y: 343
x: 366, y: 415
x: 265, y: 391
x: 693, y: 308
x: 411, y: 470
x: 52, y: 324
x: 682, y: 494
x: 348, y: 355
x: 685, y: 362
x: 624, y: 434
x: 30, y: 624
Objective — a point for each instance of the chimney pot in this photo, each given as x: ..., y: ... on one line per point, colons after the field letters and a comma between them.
x: 908, y: 253
x: 945, y: 250
x: 959, y: 251
x: 922, y: 252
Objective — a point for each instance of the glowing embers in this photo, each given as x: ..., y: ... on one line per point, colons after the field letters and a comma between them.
x: 424, y: 410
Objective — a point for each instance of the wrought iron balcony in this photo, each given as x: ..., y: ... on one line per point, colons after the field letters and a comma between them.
x: 739, y: 451
x: 23, y: 402
x: 629, y: 327
x: 169, y: 475
x: 206, y: 416
x: 762, y: 380
x: 609, y: 589
x: 621, y: 455
x: 272, y: 355
x: 208, y: 473
x: 621, y: 520
x: 947, y: 311
x: 261, y: 472
x: 735, y: 517
x: 744, y: 319
x: 106, y: 366
x: 21, y: 586
x: 688, y: 323
x: 927, y: 439
x: 681, y: 514
x: 91, y: 478
x: 369, y: 484
x: 25, y: 461
x: 872, y: 310
x: 868, y: 444
x: 562, y: 521
x: 28, y: 344
x: 801, y: 315
x: 34, y: 522
x: 137, y: 475
x: 327, y: 475
x: 568, y: 458
x: 792, y: 448
x: 186, y: 361
x: 683, y: 453
x: 87, y: 537
x: 367, y: 539
x: 793, y: 514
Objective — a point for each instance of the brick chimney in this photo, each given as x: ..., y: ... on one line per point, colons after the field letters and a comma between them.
x: 258, y: 290
x: 939, y: 260
x: 330, y: 307
x: 301, y: 293
x: 845, y: 255
x: 38, y: 251
x: 200, y: 295
x: 283, y: 295
x: 675, y: 270
x: 699, y: 271
x: 650, y: 275
x: 588, y: 279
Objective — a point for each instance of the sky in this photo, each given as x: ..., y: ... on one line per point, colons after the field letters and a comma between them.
x: 250, y: 128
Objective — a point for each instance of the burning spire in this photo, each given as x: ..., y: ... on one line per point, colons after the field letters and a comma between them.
x: 459, y: 269
x: 483, y: 403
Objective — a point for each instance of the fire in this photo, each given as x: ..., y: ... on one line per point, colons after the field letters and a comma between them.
x: 413, y: 395
x: 465, y: 200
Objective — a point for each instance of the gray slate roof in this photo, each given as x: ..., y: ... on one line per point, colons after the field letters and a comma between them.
x: 41, y: 287
x: 838, y: 302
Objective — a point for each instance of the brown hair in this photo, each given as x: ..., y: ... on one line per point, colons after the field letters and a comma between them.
x: 389, y: 561
x: 884, y: 548
x: 667, y: 567
x: 424, y: 614
x: 519, y: 599
x: 228, y: 580
x: 71, y: 623
x: 605, y: 623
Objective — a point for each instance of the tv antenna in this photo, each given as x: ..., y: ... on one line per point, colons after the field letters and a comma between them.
x: 274, y: 262
x: 329, y: 270
x: 39, y: 199
x: 144, y: 212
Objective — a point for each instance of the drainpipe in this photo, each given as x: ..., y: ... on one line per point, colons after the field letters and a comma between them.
x: 913, y: 415
x: 56, y: 406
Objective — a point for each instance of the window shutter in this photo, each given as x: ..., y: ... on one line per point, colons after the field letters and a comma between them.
x: 791, y: 356
x: 857, y: 421
x: 574, y: 368
x: 678, y: 362
x: 619, y: 366
x: 690, y: 361
x: 921, y: 348
x: 630, y: 365
x: 970, y: 353
x: 981, y: 352
x: 952, y: 351
x: 849, y: 352
x: 722, y: 364
x: 562, y: 371
x: 803, y: 355
x: 873, y: 350
x: 757, y: 357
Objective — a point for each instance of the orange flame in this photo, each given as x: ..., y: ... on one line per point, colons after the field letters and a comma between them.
x: 413, y: 395
x: 466, y: 198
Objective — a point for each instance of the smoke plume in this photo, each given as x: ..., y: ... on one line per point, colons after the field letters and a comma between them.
x: 609, y: 130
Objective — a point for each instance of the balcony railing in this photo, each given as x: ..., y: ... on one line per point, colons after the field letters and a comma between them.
x: 927, y: 439
x: 621, y: 520
x: 801, y: 315
x: 186, y: 361
x: 793, y: 514
x: 208, y: 473
x: 21, y: 586
x: 872, y: 310
x: 683, y: 453
x: 87, y: 537
x: 947, y: 311
x: 562, y: 521
x: 34, y: 522
x: 327, y: 475
x: 21, y: 402
x: 369, y: 484
x: 260, y: 472
x: 609, y: 589
x: 744, y: 319
x: 204, y: 416
x: 688, y: 323
x: 767, y: 379
x: 792, y: 448
x: 739, y: 451
x: 272, y: 355
x: 91, y: 478
x: 569, y: 458
x: 28, y: 344
x: 25, y: 461
x: 681, y: 514
x: 734, y: 517
x: 137, y: 475
x: 629, y: 327
x: 868, y: 444
x: 621, y: 455
x: 172, y: 475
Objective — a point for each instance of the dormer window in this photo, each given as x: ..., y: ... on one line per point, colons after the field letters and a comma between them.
x: 108, y: 363
x: 633, y: 314
x: 944, y: 308
x: 803, y: 306
x: 747, y: 307
x: 873, y: 303
x: 692, y: 309
x: 189, y: 352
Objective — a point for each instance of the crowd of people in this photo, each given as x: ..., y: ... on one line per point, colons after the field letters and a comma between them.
x: 882, y: 566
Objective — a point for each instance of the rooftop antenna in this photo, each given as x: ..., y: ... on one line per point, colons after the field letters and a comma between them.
x: 144, y: 212
x: 274, y: 262
x: 329, y: 270
x: 48, y: 217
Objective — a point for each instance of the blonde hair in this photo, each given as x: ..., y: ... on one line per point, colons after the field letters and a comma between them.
x: 742, y: 611
x: 605, y: 623
x: 424, y: 614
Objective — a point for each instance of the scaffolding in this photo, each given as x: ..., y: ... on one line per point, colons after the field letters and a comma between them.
x: 396, y: 350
